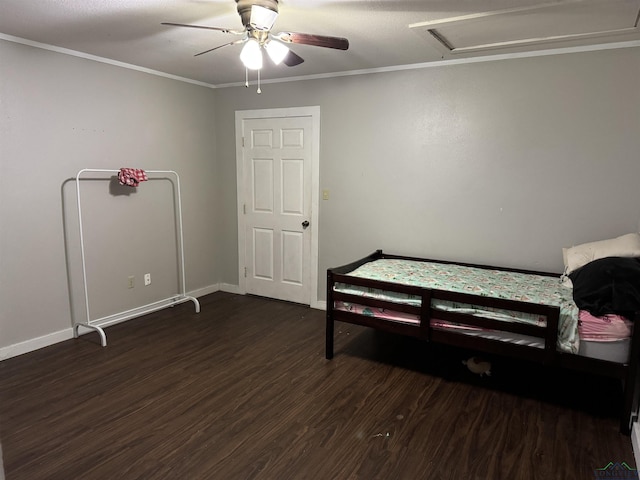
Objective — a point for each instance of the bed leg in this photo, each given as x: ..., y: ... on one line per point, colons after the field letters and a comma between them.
x: 329, y: 333
x: 329, y: 340
x: 630, y: 385
x: 630, y: 398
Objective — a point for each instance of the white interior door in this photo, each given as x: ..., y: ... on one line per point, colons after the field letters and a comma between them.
x: 277, y: 207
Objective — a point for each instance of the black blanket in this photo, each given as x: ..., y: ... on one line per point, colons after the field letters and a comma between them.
x: 608, y: 285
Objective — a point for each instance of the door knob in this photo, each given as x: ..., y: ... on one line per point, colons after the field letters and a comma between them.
x: 305, y: 224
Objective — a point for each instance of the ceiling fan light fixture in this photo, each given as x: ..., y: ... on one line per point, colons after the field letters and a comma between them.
x: 277, y: 51
x: 251, y: 55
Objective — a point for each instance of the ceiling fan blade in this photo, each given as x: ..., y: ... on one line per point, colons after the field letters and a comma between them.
x: 220, y: 46
x: 338, y: 43
x: 292, y: 59
x: 225, y: 30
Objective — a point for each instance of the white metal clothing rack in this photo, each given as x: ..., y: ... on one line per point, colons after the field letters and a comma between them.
x: 98, y: 323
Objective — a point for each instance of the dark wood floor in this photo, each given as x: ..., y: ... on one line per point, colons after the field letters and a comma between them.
x: 243, y: 391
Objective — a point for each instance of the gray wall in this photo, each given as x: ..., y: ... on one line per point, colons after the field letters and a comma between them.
x: 60, y: 113
x: 502, y: 162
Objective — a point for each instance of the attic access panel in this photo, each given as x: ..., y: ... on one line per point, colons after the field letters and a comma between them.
x: 584, y: 21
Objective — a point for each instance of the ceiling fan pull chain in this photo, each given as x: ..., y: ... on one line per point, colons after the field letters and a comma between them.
x: 246, y: 77
x: 259, y: 91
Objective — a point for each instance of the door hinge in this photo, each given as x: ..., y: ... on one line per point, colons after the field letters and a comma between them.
x: 245, y: 272
x: 244, y: 208
x: 242, y: 142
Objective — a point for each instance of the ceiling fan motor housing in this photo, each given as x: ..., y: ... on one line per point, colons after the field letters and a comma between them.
x: 244, y: 8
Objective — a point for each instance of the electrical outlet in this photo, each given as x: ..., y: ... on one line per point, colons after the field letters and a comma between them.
x: 131, y: 281
x: 147, y: 279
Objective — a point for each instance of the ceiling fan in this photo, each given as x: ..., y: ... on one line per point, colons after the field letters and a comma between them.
x: 258, y: 17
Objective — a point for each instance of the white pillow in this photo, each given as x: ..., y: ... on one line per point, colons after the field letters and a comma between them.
x: 579, y: 255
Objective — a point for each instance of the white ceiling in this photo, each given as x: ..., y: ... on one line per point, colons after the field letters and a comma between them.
x: 382, y: 33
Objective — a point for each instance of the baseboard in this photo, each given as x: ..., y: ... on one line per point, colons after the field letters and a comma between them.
x: 35, y: 343
x: 319, y: 305
x: 201, y: 292
x: 218, y: 287
x: 229, y: 288
x: 635, y: 442
x: 67, y: 334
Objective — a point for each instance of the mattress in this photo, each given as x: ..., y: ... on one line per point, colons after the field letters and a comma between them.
x: 614, y: 351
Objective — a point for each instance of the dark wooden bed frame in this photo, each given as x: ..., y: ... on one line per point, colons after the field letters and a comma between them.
x: 549, y: 356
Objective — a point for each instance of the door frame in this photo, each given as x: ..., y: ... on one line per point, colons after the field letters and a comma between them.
x: 314, y: 113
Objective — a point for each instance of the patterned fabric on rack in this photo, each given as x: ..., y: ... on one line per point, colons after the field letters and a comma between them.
x: 131, y: 176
